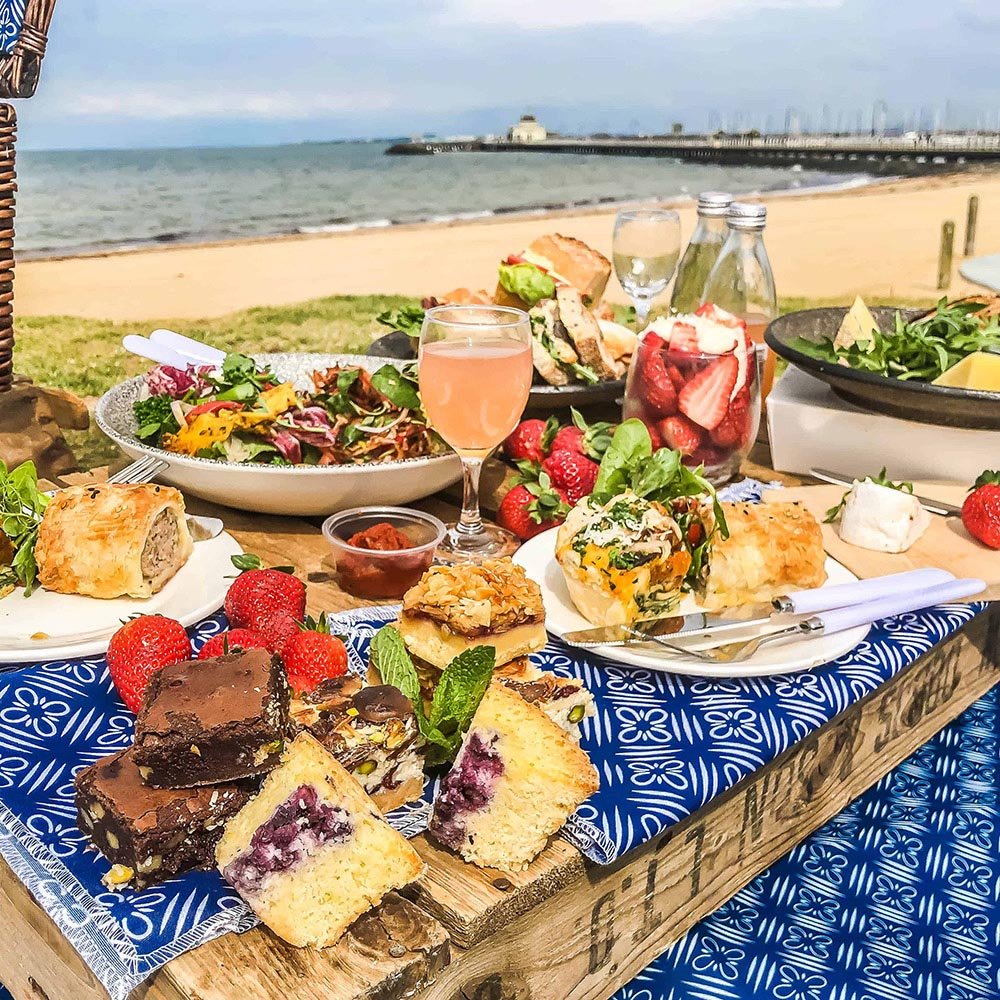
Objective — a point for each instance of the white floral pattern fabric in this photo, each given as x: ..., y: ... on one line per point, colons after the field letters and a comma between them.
x: 896, y: 898
x: 11, y: 19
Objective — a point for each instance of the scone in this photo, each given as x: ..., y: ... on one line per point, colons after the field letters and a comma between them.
x: 311, y: 853
x: 455, y: 607
x: 517, y: 779
x: 771, y: 549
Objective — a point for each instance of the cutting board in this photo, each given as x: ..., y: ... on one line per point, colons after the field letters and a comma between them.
x: 945, y: 544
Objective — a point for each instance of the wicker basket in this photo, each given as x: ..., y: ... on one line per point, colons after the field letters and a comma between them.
x: 19, y: 68
x: 8, y: 185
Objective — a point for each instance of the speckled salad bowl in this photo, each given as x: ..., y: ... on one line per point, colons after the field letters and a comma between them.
x: 302, y: 490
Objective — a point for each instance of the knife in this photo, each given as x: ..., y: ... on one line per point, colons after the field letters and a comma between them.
x: 801, y: 602
x: 934, y: 506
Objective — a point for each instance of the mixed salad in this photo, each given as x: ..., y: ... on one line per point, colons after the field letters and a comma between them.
x: 921, y: 349
x: 240, y: 412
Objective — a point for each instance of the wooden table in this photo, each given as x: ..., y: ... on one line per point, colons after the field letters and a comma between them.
x: 565, y: 928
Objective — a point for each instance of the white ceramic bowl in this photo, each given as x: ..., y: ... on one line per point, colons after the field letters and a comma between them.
x: 301, y: 490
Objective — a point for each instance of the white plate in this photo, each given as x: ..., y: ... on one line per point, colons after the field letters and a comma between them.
x: 537, y: 556
x: 77, y: 626
x: 300, y: 490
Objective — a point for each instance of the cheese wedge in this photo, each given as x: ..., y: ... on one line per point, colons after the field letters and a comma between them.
x: 880, y: 518
x: 858, y: 324
x: 980, y: 370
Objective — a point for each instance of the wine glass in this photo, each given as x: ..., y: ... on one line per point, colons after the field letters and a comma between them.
x: 475, y: 374
x: 645, y: 249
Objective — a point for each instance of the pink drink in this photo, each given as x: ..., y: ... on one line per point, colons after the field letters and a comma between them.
x: 474, y: 393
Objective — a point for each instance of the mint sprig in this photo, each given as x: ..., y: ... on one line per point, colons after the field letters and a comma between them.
x: 459, y: 691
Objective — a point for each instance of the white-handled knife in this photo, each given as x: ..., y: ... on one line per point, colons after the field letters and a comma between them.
x: 802, y: 602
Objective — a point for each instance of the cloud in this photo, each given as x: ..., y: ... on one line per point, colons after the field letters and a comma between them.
x: 578, y: 13
x: 157, y: 105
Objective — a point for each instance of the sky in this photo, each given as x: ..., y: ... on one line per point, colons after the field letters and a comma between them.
x: 230, y: 72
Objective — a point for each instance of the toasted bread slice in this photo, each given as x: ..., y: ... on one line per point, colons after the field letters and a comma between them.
x: 571, y: 260
x: 585, y: 333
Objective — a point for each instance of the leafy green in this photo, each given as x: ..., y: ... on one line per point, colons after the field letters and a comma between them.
x: 920, y: 349
x: 880, y: 480
x: 407, y: 319
x: 239, y: 379
x: 527, y: 282
x: 154, y: 417
x: 399, y: 387
x: 631, y: 464
x: 22, y: 505
x: 459, y: 691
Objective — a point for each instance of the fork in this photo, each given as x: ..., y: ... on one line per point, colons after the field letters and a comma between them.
x: 830, y: 622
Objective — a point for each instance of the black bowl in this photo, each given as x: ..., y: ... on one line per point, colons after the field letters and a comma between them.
x: 542, y: 397
x: 921, y: 401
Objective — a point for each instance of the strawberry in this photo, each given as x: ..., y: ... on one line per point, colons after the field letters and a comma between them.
x: 719, y: 315
x: 139, y: 648
x: 532, y: 507
x: 675, y: 376
x: 684, y: 338
x: 260, y: 595
x: 656, y: 386
x: 981, y: 510
x: 590, y: 440
x: 235, y: 638
x: 734, y: 430
x: 525, y: 442
x: 571, y: 473
x: 314, y: 655
x: 705, y: 399
x: 278, y: 631
x: 707, y: 456
x: 655, y: 438
x: 680, y: 434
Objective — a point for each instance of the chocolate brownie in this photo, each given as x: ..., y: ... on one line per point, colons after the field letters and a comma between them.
x: 207, y: 721
x: 150, y: 834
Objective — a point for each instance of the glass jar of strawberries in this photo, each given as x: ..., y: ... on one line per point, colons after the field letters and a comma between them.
x: 694, y: 383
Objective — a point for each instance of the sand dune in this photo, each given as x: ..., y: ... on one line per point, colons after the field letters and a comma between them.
x: 880, y: 240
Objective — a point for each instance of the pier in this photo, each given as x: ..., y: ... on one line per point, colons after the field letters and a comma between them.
x: 854, y: 154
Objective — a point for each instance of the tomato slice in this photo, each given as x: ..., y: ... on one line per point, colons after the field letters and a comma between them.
x: 514, y: 258
x: 212, y: 407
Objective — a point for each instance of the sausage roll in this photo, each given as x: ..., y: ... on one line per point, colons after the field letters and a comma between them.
x: 771, y: 549
x: 112, y: 541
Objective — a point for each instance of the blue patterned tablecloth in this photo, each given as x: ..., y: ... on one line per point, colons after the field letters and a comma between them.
x: 896, y: 898
x: 664, y: 746
x: 11, y: 19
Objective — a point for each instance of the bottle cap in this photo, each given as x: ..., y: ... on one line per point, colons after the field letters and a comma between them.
x: 714, y: 202
x: 746, y: 215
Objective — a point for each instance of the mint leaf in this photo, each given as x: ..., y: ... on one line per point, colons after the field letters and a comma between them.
x: 457, y: 696
x: 392, y: 661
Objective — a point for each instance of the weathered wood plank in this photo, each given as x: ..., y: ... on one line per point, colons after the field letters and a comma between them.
x: 594, y: 936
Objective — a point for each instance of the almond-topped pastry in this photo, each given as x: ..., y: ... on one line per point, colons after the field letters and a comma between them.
x: 455, y: 607
x: 771, y: 549
x: 310, y: 853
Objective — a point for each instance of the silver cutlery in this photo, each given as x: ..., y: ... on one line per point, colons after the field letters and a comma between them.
x: 835, y: 620
x: 802, y: 602
x: 934, y: 506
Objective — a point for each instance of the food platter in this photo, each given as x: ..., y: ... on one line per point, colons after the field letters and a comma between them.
x: 542, y: 398
x: 301, y: 490
x: 905, y: 400
x: 71, y: 626
x: 537, y: 557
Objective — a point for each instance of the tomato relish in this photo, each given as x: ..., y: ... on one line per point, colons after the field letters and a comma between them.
x: 377, y: 563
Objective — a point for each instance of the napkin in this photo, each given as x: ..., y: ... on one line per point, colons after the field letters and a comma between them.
x: 945, y: 544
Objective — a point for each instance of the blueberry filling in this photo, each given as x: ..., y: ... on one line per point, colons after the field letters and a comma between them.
x: 467, y: 788
x: 298, y: 826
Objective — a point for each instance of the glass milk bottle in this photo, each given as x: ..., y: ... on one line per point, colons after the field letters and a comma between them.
x: 741, y: 281
x: 702, y: 252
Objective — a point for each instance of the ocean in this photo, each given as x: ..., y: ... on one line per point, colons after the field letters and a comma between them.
x: 107, y: 200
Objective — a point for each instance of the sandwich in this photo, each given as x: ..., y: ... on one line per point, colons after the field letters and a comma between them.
x: 548, y: 263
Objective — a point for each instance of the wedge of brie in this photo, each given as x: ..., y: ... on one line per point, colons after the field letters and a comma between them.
x: 881, y: 518
x: 858, y: 325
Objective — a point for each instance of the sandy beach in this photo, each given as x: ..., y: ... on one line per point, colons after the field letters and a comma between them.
x: 880, y: 240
